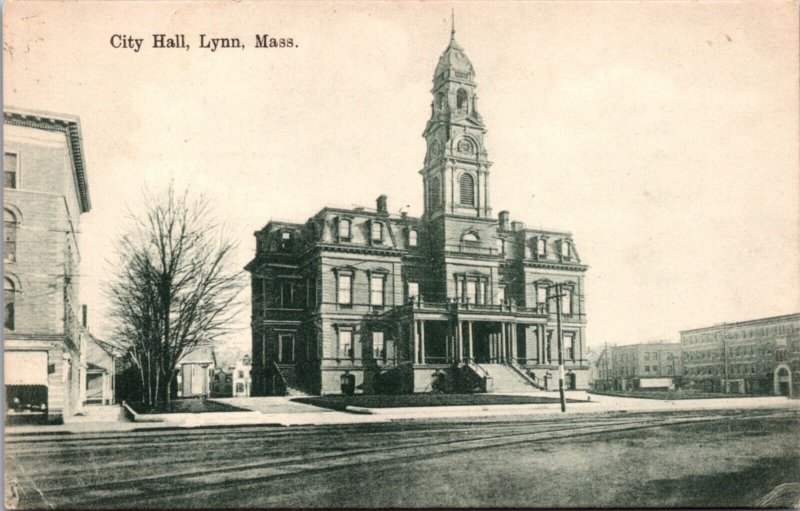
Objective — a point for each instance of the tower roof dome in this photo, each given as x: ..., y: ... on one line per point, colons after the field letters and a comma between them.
x: 454, y: 60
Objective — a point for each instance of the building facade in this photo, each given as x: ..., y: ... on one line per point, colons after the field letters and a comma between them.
x: 761, y: 356
x: 646, y: 365
x: 195, y: 373
x: 45, y: 192
x: 353, y: 294
x: 241, y: 381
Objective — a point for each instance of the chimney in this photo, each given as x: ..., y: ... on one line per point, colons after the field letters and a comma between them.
x: 503, y: 220
x: 84, y: 315
x: 517, y: 226
x: 381, y: 202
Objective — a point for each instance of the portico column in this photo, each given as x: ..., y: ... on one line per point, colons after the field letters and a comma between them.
x: 422, y: 342
x: 415, y: 334
x: 502, y: 342
x: 513, y: 342
x: 471, y: 347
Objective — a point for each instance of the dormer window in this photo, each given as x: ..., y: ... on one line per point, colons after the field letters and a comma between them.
x: 286, y: 240
x: 344, y: 229
x: 541, y: 247
x: 412, y: 237
x: 377, y: 232
x: 566, y: 252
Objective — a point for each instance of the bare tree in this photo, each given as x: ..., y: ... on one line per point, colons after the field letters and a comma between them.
x: 174, y: 289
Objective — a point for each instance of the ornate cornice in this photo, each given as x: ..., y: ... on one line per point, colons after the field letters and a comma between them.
x: 68, y: 125
x: 555, y: 266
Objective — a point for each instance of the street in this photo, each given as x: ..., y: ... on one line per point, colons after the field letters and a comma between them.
x: 702, y: 458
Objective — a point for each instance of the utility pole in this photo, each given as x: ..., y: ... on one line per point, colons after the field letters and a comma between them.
x: 725, y: 359
x: 557, y: 297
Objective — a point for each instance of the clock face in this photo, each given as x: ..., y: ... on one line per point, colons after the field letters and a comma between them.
x: 465, y: 146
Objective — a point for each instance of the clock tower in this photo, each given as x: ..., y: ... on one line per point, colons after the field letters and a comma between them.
x: 456, y: 171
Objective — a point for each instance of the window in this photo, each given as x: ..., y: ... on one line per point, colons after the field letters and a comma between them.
x: 647, y: 356
x: 467, y: 188
x: 344, y: 229
x: 462, y: 100
x: 435, y: 192
x: 378, y: 345
x: 413, y: 290
x: 239, y: 388
x: 472, y: 292
x: 8, y: 300
x: 286, y: 348
x: 541, y: 296
x: 9, y: 170
x: 541, y: 247
x: 377, y: 232
x: 346, y: 344
x: 501, y: 294
x: 566, y: 301
x: 470, y: 237
x: 655, y: 369
x: 501, y: 245
x: 412, y: 238
x: 9, y: 236
x: 376, y: 290
x: 287, y: 295
x: 344, y: 293
x: 569, y: 345
x: 241, y: 374
x: 286, y: 240
x: 565, y: 249
x: 647, y: 369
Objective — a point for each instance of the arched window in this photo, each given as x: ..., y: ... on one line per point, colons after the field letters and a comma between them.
x: 9, y: 236
x: 8, y: 300
x: 435, y: 192
x: 462, y: 100
x: 470, y: 236
x: 441, y: 101
x: 467, y: 187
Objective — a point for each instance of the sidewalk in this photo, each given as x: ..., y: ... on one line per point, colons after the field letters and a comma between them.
x: 281, y: 411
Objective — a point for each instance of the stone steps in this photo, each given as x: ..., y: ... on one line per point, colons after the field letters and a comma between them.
x: 507, y: 380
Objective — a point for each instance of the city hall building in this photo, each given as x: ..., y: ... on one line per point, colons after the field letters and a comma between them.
x: 352, y: 294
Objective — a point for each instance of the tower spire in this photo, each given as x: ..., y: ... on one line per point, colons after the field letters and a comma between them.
x: 452, y: 24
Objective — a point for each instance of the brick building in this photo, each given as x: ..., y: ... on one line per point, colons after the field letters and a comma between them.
x: 652, y: 364
x: 354, y: 295
x: 45, y: 192
x: 761, y: 356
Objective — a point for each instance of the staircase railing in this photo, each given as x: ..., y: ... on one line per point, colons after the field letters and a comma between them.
x: 520, y: 371
x: 481, y: 372
x: 277, y: 371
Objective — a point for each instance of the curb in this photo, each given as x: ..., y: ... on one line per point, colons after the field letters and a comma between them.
x: 138, y: 417
x: 359, y: 410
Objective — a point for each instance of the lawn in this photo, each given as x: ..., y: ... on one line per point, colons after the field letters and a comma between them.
x: 189, y: 405
x: 669, y: 395
x: 413, y: 400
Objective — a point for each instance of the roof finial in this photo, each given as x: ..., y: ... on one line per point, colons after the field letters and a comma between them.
x: 453, y: 24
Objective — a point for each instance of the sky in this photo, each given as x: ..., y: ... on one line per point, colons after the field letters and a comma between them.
x: 663, y: 135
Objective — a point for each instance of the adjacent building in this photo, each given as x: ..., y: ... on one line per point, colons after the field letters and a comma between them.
x: 241, y: 380
x: 652, y: 365
x: 354, y: 293
x: 46, y: 191
x: 195, y: 373
x: 761, y: 356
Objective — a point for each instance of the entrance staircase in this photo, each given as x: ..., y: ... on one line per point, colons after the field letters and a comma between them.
x: 506, y: 380
x: 290, y: 380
